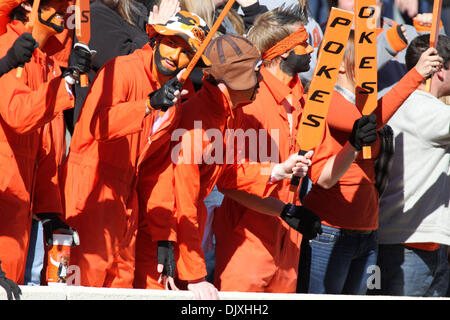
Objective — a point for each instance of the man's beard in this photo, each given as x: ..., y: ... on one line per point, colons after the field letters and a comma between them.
x: 161, y: 69
x: 48, y: 22
x: 295, y: 63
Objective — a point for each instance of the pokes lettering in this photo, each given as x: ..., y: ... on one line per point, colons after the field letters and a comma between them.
x: 311, y: 127
x: 85, y: 14
x: 326, y: 72
x: 366, y: 94
x: 365, y: 54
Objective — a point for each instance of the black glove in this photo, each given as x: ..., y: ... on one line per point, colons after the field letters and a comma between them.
x: 52, y: 223
x: 364, y: 132
x: 79, y: 61
x: 10, y: 286
x: 162, y: 98
x: 21, y: 51
x: 302, y: 219
x: 166, y: 257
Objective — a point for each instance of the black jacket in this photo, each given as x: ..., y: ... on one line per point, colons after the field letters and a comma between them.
x: 111, y: 36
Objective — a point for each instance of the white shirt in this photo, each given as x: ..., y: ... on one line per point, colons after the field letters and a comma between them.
x: 415, y: 206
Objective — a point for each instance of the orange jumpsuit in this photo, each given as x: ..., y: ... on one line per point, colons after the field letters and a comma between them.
x: 30, y: 151
x: 25, y: 109
x: 112, y: 141
x: 256, y: 252
x: 204, y: 119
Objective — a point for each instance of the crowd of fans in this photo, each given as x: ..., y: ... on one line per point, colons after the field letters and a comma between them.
x: 145, y: 168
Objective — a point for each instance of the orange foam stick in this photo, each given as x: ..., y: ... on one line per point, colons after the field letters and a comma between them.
x: 312, y: 123
x: 437, y: 8
x: 205, y: 42
x: 366, y: 91
x: 33, y: 17
x: 83, y: 29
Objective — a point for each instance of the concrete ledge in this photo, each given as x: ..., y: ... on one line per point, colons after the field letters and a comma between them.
x: 89, y: 293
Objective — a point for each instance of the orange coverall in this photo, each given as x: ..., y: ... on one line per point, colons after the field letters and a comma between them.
x: 112, y: 141
x: 30, y: 151
x: 256, y: 252
x: 194, y: 180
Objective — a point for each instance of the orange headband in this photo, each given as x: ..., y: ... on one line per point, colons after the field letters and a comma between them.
x: 288, y: 43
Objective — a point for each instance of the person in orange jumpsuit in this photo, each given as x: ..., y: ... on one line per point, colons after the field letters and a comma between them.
x: 344, y: 194
x: 121, y: 130
x: 198, y: 156
x: 20, y: 53
x: 32, y: 142
x: 266, y: 246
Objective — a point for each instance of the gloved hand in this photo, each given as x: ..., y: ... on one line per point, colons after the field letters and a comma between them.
x: 166, y: 257
x: 162, y: 98
x: 401, y: 31
x: 302, y: 219
x: 364, y: 132
x: 10, y: 286
x: 52, y: 223
x: 79, y: 62
x: 21, y: 51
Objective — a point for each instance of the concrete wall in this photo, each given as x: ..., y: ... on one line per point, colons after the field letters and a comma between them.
x: 88, y: 293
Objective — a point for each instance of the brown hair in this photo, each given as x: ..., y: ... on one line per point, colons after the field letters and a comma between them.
x: 273, y: 26
x: 19, y: 13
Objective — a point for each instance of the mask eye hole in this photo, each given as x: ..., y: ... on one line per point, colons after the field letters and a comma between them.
x: 258, y: 66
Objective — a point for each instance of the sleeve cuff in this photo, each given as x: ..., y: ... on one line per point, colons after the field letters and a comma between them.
x: 425, y: 29
x: 395, y: 39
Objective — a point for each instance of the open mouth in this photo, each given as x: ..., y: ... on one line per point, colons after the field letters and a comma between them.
x: 168, y: 64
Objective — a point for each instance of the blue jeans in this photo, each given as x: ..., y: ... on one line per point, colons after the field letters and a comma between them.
x: 341, y: 261
x: 409, y: 271
x: 212, y: 201
x: 35, y: 258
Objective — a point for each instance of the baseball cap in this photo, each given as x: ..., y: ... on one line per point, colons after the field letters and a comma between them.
x: 188, y: 26
x: 234, y: 60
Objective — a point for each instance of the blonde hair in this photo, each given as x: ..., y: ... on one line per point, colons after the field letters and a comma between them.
x: 273, y: 26
x: 205, y: 9
x: 237, y: 21
x: 446, y: 100
x: 349, y: 57
x: 127, y: 9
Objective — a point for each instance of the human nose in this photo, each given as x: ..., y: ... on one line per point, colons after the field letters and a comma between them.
x: 175, y: 54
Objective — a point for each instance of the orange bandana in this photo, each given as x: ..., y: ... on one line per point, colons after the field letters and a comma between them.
x: 294, y: 39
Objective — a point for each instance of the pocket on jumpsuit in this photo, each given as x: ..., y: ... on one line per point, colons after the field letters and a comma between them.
x: 82, y: 185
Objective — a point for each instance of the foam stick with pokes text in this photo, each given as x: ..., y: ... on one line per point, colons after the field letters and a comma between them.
x: 83, y: 29
x: 437, y: 8
x: 366, y: 92
x: 205, y: 42
x: 33, y: 17
x: 312, y: 123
